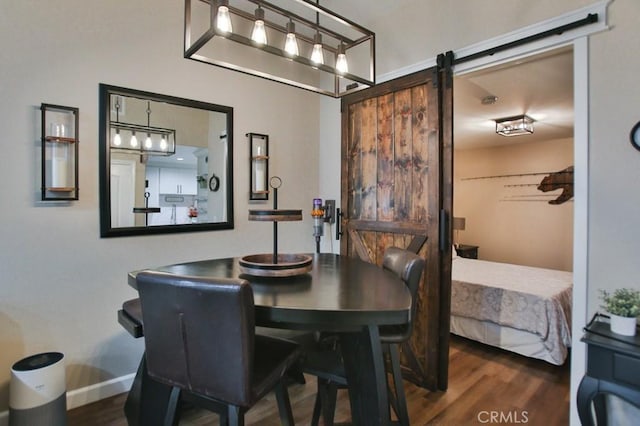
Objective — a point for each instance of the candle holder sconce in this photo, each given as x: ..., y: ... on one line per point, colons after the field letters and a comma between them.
x: 59, y: 152
x: 258, y: 166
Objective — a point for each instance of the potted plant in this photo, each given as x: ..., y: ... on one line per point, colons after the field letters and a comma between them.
x: 623, y: 305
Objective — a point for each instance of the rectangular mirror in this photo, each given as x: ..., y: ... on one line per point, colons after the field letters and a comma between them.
x: 166, y: 164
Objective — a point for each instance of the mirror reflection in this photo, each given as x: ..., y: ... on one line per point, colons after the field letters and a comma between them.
x: 165, y: 163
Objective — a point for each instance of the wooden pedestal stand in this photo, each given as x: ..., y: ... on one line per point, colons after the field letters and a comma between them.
x: 274, y: 264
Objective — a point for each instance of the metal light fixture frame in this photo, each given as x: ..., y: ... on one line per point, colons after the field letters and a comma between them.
x: 144, y: 131
x: 193, y: 47
x: 515, y: 126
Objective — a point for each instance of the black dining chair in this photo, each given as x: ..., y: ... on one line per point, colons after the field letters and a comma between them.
x: 200, y: 339
x: 326, y: 364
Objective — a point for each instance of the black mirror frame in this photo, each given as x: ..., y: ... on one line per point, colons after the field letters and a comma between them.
x: 104, y: 159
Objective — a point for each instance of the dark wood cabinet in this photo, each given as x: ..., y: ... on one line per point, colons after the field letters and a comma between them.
x: 467, y: 251
x: 613, y: 367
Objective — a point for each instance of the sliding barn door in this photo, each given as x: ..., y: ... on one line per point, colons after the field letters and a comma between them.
x: 392, y: 195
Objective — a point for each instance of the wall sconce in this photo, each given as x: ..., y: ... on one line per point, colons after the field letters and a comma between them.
x: 459, y: 223
x: 59, y: 152
x: 514, y: 126
x: 138, y: 137
x: 259, y: 166
x: 296, y: 42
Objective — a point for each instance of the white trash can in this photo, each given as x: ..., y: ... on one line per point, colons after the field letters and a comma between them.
x: 37, y: 392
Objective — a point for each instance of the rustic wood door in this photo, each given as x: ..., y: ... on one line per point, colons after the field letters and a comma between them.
x: 394, y: 194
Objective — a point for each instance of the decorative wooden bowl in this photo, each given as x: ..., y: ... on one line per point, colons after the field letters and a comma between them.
x: 287, y: 265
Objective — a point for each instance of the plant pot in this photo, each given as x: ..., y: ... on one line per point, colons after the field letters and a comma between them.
x: 625, y: 326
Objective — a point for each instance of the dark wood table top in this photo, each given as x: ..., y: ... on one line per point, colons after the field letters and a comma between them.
x: 340, y: 293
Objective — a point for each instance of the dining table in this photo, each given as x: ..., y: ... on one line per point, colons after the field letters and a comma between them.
x: 340, y: 294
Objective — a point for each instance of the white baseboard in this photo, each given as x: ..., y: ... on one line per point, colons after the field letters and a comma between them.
x: 88, y: 394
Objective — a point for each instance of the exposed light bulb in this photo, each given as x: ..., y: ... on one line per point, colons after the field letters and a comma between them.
x: 223, y: 19
x: 341, y: 62
x: 163, y: 143
x: 317, y: 57
x: 147, y: 142
x: 291, y: 42
x: 134, y: 141
x: 259, y: 34
x: 117, y: 140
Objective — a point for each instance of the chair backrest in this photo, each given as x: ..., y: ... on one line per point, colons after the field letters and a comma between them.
x: 199, y: 333
x: 408, y: 266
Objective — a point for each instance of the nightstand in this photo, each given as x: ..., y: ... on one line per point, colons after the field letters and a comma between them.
x: 467, y: 251
x: 613, y: 367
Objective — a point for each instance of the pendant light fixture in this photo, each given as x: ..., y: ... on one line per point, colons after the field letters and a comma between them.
x: 158, y: 140
x: 117, y: 140
x: 291, y: 42
x: 317, y: 57
x: 133, y: 141
x: 259, y: 33
x: 223, y: 18
x: 341, y: 62
x: 296, y: 42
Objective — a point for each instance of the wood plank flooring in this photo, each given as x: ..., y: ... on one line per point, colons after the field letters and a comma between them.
x: 486, y: 386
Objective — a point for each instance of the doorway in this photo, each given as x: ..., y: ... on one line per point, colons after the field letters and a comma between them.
x: 581, y: 161
x: 497, y: 193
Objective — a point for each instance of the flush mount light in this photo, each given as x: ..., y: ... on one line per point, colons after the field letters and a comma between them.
x: 514, y: 126
x: 296, y: 42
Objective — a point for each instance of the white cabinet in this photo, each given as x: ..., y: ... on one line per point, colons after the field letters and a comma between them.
x: 178, y: 181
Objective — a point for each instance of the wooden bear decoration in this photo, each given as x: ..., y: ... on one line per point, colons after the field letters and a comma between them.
x: 559, y: 180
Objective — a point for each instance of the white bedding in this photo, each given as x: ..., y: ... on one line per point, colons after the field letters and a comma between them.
x: 531, y: 300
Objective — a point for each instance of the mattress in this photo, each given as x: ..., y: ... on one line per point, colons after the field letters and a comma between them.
x: 535, y: 302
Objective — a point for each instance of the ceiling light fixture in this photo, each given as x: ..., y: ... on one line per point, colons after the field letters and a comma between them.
x: 159, y: 141
x: 489, y: 100
x: 259, y: 33
x: 291, y: 43
x: 341, y: 62
x: 296, y: 42
x: 514, y: 126
x: 223, y: 19
x: 317, y: 57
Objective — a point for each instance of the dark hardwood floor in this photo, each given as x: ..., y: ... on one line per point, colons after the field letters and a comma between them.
x: 486, y: 386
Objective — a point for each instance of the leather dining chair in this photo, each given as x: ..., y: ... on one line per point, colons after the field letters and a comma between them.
x: 200, y: 340
x: 327, y: 365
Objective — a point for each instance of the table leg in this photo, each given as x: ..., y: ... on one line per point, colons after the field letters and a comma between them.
x: 364, y: 366
x: 148, y: 400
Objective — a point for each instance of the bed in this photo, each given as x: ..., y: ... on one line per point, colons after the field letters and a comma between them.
x: 522, y: 309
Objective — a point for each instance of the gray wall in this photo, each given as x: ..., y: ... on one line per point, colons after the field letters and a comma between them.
x: 60, y: 284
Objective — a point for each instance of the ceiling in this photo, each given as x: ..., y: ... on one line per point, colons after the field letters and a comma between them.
x: 539, y: 86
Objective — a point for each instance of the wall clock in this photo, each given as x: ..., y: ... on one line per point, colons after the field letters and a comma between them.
x: 635, y: 136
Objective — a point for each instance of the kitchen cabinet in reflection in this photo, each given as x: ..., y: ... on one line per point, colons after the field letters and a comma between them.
x: 174, y: 191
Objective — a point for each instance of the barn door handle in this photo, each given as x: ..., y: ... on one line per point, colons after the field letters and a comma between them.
x: 338, y: 220
x: 444, y: 230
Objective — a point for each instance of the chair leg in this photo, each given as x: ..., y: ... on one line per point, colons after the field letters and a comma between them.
x: 235, y: 416
x: 315, y: 419
x: 400, y: 400
x: 284, y: 405
x: 328, y: 395
x: 325, y: 404
x: 172, y: 416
